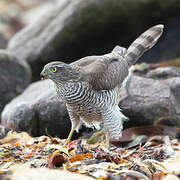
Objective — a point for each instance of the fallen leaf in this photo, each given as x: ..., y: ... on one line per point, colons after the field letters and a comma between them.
x: 57, y: 159
x: 80, y: 157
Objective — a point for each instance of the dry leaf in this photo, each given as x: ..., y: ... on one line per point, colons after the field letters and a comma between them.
x: 80, y: 157
x: 57, y: 159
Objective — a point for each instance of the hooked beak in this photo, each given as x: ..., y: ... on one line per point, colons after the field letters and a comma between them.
x: 44, y: 74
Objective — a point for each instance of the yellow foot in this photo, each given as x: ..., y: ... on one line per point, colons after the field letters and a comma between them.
x: 107, y: 144
x: 69, y: 138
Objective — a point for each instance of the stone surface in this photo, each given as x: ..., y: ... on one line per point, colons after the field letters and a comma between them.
x: 35, y: 10
x: 149, y: 101
x: 3, y: 41
x: 15, y: 14
x: 164, y: 73
x: 36, y: 110
x: 14, y: 77
x: 9, y: 18
x: 3, y: 131
x: 152, y: 99
x: 74, y: 29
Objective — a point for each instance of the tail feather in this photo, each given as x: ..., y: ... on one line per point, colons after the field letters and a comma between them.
x: 143, y: 43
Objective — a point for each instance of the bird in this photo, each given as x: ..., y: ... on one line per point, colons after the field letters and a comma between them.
x: 90, y: 86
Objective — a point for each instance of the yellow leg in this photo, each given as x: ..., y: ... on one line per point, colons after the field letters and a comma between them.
x: 69, y: 137
x: 107, y: 141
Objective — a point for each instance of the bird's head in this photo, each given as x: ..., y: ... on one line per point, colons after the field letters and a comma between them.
x: 60, y: 72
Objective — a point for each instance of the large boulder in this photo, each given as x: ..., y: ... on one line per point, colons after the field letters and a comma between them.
x: 38, y: 111
x: 156, y: 71
x: 164, y: 73
x: 15, y: 75
x: 3, y: 41
x: 149, y: 100
x: 4, y: 131
x: 73, y: 29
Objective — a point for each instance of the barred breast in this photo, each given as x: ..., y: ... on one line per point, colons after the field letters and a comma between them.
x: 85, y: 101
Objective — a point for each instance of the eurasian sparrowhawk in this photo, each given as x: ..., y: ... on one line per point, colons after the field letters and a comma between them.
x: 90, y: 87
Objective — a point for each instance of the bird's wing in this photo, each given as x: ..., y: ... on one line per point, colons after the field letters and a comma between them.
x: 143, y: 43
x: 103, y: 72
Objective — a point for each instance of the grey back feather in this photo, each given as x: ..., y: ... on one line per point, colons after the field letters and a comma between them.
x: 103, y: 72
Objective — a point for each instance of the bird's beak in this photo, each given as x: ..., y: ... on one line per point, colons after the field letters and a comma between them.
x: 44, y: 74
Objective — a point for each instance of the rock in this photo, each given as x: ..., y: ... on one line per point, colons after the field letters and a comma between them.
x: 3, y: 41
x: 10, y: 12
x: 156, y: 71
x: 73, y: 29
x: 3, y: 131
x: 14, y: 15
x: 36, y: 110
x: 14, y: 77
x: 152, y: 99
x: 36, y: 10
x: 164, y: 73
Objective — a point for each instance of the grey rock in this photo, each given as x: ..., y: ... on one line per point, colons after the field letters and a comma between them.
x: 164, y: 73
x: 36, y: 110
x: 3, y: 41
x: 3, y: 131
x: 152, y: 99
x: 14, y: 77
x: 9, y: 17
x: 74, y: 29
x: 32, y: 14
x: 174, y: 84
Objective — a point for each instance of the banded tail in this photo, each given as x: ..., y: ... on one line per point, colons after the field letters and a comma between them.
x: 143, y: 43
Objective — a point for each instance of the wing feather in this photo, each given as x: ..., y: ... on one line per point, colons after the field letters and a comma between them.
x: 103, y: 72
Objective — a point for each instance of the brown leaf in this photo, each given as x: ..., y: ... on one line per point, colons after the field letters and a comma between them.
x: 54, y: 141
x: 79, y: 157
x: 57, y: 159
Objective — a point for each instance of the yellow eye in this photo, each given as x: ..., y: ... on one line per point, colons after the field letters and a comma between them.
x: 53, y: 69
